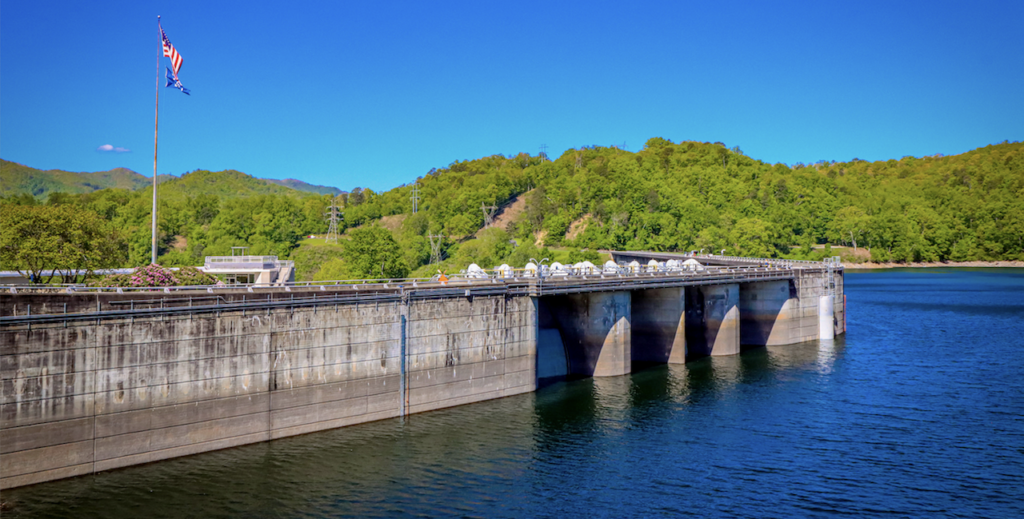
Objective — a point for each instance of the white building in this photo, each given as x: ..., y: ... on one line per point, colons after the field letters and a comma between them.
x: 243, y: 269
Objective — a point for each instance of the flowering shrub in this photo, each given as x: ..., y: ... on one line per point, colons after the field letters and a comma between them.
x: 152, y: 275
x: 156, y: 276
x: 192, y: 276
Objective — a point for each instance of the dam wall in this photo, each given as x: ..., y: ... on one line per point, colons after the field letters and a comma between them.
x: 87, y: 396
x: 93, y: 382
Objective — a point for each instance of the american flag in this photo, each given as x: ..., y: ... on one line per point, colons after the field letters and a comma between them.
x: 171, y: 52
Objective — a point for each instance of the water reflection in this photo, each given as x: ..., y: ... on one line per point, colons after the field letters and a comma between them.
x: 365, y: 470
x: 463, y: 457
x: 780, y: 431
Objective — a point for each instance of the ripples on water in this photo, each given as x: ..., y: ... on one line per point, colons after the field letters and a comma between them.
x: 917, y: 411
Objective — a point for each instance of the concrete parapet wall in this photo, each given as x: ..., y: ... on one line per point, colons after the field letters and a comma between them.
x: 88, y: 396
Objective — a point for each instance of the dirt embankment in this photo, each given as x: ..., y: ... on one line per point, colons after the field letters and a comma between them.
x: 930, y: 264
x: 577, y: 227
x: 392, y: 223
x: 180, y: 242
x: 508, y: 212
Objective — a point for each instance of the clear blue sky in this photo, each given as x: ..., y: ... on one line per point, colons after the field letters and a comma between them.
x: 375, y: 94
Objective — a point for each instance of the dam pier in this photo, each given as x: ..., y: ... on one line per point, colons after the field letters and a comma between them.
x: 97, y: 379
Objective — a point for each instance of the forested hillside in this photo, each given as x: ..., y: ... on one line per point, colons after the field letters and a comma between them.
x: 16, y: 179
x: 696, y: 195
x: 666, y: 197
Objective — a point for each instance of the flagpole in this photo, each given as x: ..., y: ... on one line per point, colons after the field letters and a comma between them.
x: 156, y: 127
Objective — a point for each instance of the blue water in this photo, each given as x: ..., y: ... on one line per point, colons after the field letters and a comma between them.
x: 918, y: 411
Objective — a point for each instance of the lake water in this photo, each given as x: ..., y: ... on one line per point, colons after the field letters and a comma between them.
x: 918, y: 411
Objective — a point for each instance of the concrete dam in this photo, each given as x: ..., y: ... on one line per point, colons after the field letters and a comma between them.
x: 92, y: 380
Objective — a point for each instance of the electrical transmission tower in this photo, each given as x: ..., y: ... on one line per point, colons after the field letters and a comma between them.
x: 333, y: 215
x: 415, y: 197
x: 489, y: 211
x: 435, y: 248
x: 579, y: 159
x: 543, y: 151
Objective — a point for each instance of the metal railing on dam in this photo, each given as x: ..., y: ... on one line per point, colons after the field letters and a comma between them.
x: 96, y: 378
x: 148, y: 301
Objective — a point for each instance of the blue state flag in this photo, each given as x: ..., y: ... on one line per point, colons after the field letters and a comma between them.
x: 173, y: 81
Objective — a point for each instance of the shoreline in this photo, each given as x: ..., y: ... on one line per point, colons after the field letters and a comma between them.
x: 934, y: 264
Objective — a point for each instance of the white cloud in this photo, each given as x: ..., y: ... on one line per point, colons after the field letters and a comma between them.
x: 115, y: 149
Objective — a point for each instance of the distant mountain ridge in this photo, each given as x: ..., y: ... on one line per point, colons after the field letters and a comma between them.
x: 17, y: 179
x: 305, y: 186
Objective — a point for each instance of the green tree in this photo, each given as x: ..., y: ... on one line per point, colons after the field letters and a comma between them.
x: 849, y: 226
x: 311, y: 259
x: 490, y: 248
x: 203, y: 208
x: 333, y: 270
x: 754, y: 238
x: 460, y: 225
x: 42, y: 242
x: 373, y: 253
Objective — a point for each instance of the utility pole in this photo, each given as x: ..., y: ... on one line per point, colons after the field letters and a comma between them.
x: 435, y: 248
x: 333, y: 216
x: 415, y: 197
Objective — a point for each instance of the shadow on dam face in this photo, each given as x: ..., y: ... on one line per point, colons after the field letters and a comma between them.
x: 766, y: 313
x: 712, y: 321
x: 595, y: 334
x: 613, y: 333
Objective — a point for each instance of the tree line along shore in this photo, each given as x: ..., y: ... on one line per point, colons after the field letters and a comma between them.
x: 936, y: 210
